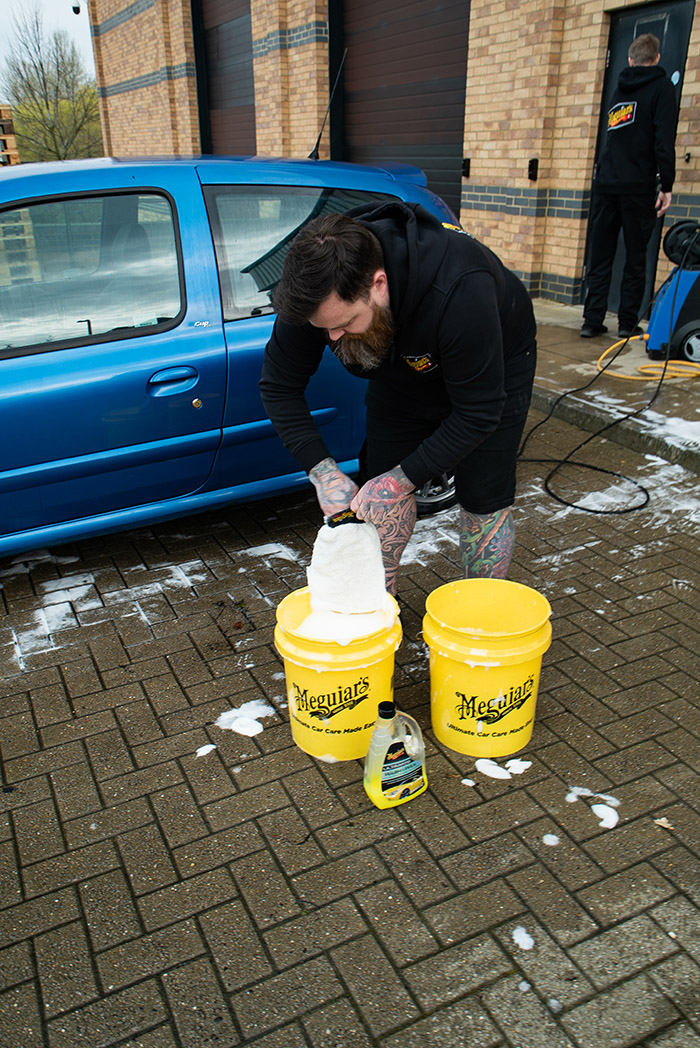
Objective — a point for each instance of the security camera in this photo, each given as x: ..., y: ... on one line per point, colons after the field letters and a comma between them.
x: 76, y: 9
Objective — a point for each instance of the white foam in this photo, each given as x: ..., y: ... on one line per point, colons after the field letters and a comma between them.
x: 244, y: 720
x: 522, y: 938
x: 204, y: 750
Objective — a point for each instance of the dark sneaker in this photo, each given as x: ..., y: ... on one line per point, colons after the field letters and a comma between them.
x: 591, y: 330
x: 624, y: 332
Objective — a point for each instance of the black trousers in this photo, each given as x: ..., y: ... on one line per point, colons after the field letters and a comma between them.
x: 636, y: 216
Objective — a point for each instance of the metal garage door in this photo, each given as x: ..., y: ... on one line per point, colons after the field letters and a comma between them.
x: 404, y: 85
x: 228, y: 48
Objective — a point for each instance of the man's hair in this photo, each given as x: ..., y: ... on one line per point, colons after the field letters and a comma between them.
x: 331, y: 253
x: 644, y: 49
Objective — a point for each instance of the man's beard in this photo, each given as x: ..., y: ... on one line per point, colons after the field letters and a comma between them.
x: 369, y: 349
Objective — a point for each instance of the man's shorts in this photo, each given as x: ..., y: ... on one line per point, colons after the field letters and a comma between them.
x: 485, y: 479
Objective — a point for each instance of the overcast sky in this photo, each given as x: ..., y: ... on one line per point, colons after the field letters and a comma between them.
x: 56, y: 14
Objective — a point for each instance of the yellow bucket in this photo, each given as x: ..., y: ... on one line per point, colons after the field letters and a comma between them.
x: 333, y: 690
x: 486, y: 639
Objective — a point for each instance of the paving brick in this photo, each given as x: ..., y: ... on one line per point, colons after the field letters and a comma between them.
x: 235, y: 946
x: 16, y: 965
x: 472, y: 912
x: 198, y: 1007
x: 333, y: 880
x: 464, y: 1023
x: 680, y: 917
x: 149, y: 954
x: 109, y: 755
x: 626, y: 893
x: 495, y: 816
x: 396, y: 923
x: 379, y: 995
x: 491, y: 859
x: 137, y: 783
x: 265, y: 890
x: 65, y: 968
x: 73, y: 866
x: 109, y: 1020
x: 42, y: 763
x: 38, y: 832
x: 559, y: 911
x: 336, y: 1024
x: 75, y: 791
x: 456, y: 971
x: 679, y: 1035
x: 313, y: 798
x: 19, y: 1012
x: 527, y: 1020
x: 620, y: 1017
x: 147, y: 859
x: 291, y: 840
x: 631, y: 843
x: 544, y: 964
x: 186, y: 898
x: 109, y: 910
x: 303, y: 937
x: 246, y: 805
x: 107, y: 822
x: 178, y: 815
x: 285, y: 997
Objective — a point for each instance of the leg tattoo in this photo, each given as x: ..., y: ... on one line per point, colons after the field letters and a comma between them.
x: 394, y: 532
x: 486, y: 543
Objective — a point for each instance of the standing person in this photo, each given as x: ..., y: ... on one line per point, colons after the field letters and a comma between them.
x: 445, y: 334
x: 637, y: 156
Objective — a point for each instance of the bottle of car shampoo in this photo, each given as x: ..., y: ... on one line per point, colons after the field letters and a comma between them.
x: 395, y: 762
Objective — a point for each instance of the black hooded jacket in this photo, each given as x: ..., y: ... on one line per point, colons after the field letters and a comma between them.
x: 640, y: 136
x: 464, y: 339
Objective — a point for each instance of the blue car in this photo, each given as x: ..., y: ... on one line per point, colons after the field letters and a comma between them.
x: 134, y: 311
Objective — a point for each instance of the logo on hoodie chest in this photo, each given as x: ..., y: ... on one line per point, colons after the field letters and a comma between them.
x: 422, y: 363
x: 621, y: 115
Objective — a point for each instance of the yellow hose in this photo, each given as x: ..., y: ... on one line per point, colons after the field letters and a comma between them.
x: 673, y: 369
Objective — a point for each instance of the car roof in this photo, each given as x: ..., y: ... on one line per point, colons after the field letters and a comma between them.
x: 270, y: 166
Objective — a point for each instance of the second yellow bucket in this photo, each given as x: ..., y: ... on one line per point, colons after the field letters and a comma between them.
x: 333, y: 690
x: 486, y: 639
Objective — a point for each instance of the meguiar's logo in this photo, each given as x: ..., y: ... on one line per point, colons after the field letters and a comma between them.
x: 344, y: 697
x: 621, y: 115
x: 491, y: 710
x: 422, y: 363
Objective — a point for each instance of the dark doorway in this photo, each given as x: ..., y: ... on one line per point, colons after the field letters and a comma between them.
x: 671, y: 23
x: 227, y: 46
x: 404, y: 85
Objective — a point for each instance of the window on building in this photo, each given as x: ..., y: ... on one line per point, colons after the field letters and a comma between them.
x: 99, y: 265
x: 253, y: 227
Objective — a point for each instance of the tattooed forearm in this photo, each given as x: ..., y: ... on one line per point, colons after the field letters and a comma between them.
x: 378, y: 497
x: 334, y: 490
x: 486, y: 543
x: 394, y: 532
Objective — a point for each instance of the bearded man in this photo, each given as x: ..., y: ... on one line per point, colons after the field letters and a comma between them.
x: 446, y: 336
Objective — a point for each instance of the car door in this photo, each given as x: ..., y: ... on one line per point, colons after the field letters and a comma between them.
x: 112, y: 356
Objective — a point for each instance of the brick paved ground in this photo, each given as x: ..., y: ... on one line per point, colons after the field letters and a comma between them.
x: 253, y: 896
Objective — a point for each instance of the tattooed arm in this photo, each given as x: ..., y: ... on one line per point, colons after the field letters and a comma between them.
x: 388, y: 501
x: 334, y: 490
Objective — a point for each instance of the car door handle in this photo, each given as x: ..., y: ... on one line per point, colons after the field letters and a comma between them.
x: 172, y: 380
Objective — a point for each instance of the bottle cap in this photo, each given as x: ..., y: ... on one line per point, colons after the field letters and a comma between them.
x: 387, y: 709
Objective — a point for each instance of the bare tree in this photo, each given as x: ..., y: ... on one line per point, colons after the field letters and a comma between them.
x: 54, y: 101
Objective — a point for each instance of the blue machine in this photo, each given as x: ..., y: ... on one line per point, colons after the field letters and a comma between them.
x: 674, y: 325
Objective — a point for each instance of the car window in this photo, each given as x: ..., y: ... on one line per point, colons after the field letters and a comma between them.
x: 86, y: 266
x: 253, y: 226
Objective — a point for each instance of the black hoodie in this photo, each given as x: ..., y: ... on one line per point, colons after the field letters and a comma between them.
x: 464, y: 338
x: 641, y: 132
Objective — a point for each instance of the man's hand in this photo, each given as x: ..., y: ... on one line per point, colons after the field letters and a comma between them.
x: 663, y: 202
x: 381, y: 497
x: 334, y: 490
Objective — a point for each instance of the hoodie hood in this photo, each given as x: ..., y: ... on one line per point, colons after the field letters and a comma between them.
x: 634, y: 77
x: 406, y: 233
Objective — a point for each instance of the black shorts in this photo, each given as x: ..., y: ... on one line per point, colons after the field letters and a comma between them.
x: 485, y: 479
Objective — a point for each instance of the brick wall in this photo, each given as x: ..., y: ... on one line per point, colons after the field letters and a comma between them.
x: 534, y: 80
x: 290, y: 57
x: 144, y: 59
x: 8, y: 142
